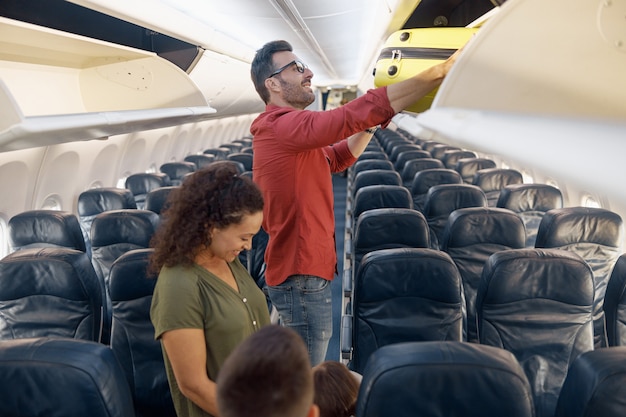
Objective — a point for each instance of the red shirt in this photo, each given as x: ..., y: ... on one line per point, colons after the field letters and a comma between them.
x: 295, y: 152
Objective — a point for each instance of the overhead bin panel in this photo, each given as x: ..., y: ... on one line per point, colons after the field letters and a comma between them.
x: 526, y: 59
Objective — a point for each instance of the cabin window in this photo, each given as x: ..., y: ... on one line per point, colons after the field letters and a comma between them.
x: 52, y: 202
x: 590, y: 201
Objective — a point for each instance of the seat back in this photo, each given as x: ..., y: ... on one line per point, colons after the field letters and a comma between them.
x: 467, y: 167
x: 142, y: 183
x: 118, y: 231
x: 596, y: 235
x: 60, y: 377
x: 531, y: 202
x: 537, y: 304
x: 388, y: 228
x: 97, y: 200
x: 132, y: 334
x: 427, y: 178
x: 45, y: 228
x: 397, y: 148
x: 200, y: 160
x: 443, y: 199
x: 50, y: 292
x: 402, y: 295
x: 380, y: 196
x: 473, y: 234
x: 176, y: 171
x: 438, y: 151
x: 368, y: 164
x: 219, y: 153
x: 451, y: 157
x: 156, y: 200
x: 594, y: 385
x: 243, y: 158
x: 408, y: 154
x: 614, y: 305
x: 450, y: 379
x: 413, y: 166
x: 492, y: 180
x: 375, y: 177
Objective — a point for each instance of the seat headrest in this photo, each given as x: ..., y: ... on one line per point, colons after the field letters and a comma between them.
x: 68, y: 377
x: 435, y: 176
x: 477, y: 225
x: 377, y: 176
x: 41, y: 228
x: 129, y: 278
x: 396, y: 226
x: 545, y: 273
x: 124, y: 226
x: 495, y: 179
x: 569, y: 225
x: 177, y: 170
x: 446, y: 379
x: 97, y: 200
x: 143, y: 182
x: 530, y: 197
x: 156, y: 199
x: 445, y: 198
x: 380, y: 196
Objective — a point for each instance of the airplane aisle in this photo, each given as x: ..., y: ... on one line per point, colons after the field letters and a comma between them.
x: 340, y: 192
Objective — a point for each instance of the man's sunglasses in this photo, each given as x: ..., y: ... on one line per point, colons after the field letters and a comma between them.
x: 299, y: 66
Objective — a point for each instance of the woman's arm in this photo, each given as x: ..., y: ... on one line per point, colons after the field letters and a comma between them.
x: 186, y: 350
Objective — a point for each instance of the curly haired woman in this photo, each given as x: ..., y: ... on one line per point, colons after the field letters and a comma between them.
x: 205, y: 303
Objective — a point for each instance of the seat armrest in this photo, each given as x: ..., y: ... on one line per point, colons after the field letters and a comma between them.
x: 346, y: 337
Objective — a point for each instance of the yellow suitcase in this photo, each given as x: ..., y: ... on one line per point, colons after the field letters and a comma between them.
x: 410, y: 51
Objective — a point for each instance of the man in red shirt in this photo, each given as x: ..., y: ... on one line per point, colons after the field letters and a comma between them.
x: 295, y: 152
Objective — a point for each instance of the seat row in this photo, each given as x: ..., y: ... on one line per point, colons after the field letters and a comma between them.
x: 401, y: 288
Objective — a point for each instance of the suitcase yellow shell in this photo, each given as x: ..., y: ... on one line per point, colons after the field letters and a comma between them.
x: 410, y: 51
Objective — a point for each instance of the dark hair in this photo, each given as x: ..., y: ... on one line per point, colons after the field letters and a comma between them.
x: 263, y: 65
x: 336, y: 389
x: 212, y: 197
x: 267, y: 375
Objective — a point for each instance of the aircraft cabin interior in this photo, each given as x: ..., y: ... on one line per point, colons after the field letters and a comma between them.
x: 495, y: 217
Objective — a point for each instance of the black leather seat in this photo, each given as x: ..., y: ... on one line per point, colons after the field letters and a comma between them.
x: 384, y: 228
x: 438, y: 151
x: 200, y: 160
x: 595, y: 385
x: 615, y: 304
x: 408, y: 155
x: 473, y: 234
x: 62, y: 377
x: 450, y: 157
x: 243, y: 158
x: 219, y: 153
x: 368, y: 164
x: 441, y: 200
x: 132, y: 334
x: 118, y: 231
x: 596, y: 235
x: 427, y: 178
x: 176, y: 171
x: 142, y: 183
x: 493, y: 180
x: 50, y: 292
x: 380, y: 196
x: 413, y: 166
x: 467, y: 167
x: 537, y: 304
x: 156, y: 200
x: 45, y: 228
x: 97, y: 200
x: 400, y: 147
x: 531, y: 202
x: 402, y: 295
x: 375, y: 177
x: 443, y: 379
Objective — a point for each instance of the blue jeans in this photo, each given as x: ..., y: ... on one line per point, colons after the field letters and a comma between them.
x: 304, y: 304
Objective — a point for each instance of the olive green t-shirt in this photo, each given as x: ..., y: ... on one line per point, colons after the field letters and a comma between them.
x: 192, y: 297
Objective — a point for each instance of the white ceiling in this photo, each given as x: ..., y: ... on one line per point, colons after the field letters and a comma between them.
x: 338, y: 39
